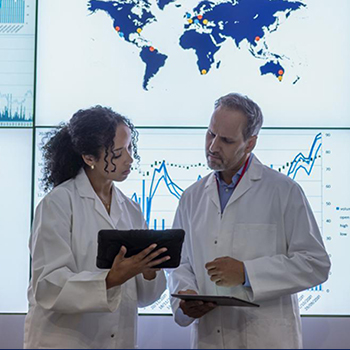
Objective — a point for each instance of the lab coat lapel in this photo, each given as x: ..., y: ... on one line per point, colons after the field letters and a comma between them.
x: 99, y: 207
x: 253, y: 174
x: 116, y: 207
x: 85, y: 190
x: 211, y: 189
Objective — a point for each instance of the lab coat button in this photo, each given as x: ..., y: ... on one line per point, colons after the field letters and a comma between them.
x: 218, y: 330
x: 216, y: 242
x: 112, y: 335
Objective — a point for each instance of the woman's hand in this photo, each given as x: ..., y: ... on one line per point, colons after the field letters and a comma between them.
x: 125, y: 268
x: 149, y: 273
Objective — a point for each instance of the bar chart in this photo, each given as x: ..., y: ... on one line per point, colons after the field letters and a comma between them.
x: 12, y: 11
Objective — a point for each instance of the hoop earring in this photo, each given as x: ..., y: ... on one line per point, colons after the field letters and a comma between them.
x: 92, y: 167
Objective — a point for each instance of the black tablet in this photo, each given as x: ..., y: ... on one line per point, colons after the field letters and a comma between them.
x: 110, y: 242
x: 219, y: 300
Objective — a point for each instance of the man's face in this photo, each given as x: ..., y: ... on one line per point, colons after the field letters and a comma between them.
x: 226, y: 149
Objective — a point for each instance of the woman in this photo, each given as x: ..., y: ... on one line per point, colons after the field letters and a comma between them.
x: 72, y: 303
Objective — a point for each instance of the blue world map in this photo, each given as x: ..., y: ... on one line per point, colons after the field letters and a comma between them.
x: 206, y: 28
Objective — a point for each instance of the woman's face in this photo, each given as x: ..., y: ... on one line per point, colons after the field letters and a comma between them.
x: 119, y: 164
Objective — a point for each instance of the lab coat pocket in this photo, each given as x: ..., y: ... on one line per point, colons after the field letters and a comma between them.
x: 272, y: 334
x: 255, y: 240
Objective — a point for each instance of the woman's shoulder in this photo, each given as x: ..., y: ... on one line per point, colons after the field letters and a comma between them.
x: 60, y: 194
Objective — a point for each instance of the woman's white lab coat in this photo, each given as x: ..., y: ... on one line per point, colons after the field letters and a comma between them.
x: 267, y: 224
x: 69, y: 306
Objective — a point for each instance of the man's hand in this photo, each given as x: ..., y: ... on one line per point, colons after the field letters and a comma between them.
x: 195, y: 308
x: 226, y: 271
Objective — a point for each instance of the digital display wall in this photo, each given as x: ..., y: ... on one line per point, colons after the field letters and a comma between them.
x: 17, y: 44
x: 163, y: 64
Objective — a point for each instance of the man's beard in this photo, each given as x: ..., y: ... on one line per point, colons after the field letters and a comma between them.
x: 215, y: 166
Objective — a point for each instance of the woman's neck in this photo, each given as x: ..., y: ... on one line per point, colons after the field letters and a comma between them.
x: 101, y: 186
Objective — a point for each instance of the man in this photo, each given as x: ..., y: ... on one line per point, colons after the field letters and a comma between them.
x: 250, y: 233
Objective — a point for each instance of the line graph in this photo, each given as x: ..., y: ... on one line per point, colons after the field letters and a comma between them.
x: 173, y: 159
x: 160, y: 175
x: 299, y: 160
x: 157, y: 185
x: 297, y: 154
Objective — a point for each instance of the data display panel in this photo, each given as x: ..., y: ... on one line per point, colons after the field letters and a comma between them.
x: 15, y: 204
x: 164, y: 63
x: 173, y: 159
x: 17, y: 43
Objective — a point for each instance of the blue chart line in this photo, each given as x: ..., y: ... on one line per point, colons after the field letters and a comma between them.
x: 13, y: 110
x: 160, y: 174
x: 12, y: 11
x: 306, y: 163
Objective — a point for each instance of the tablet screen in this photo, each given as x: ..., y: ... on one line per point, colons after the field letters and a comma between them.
x: 110, y: 242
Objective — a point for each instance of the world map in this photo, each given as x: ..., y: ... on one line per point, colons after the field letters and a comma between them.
x: 205, y: 29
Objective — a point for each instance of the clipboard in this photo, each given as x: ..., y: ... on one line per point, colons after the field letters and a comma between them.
x: 219, y: 300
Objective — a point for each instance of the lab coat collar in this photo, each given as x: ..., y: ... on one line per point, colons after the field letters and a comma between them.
x: 83, y: 185
x: 85, y: 189
x: 254, y: 173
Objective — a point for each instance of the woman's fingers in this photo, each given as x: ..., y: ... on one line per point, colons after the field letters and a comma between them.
x: 140, y: 256
x: 153, y: 255
x: 147, y: 257
x: 158, y: 261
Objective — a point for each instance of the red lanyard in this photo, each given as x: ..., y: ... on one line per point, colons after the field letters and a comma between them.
x: 240, y: 178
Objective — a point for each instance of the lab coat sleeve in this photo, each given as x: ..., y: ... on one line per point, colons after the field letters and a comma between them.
x: 306, y: 263
x: 149, y: 292
x: 57, y: 283
x: 183, y: 277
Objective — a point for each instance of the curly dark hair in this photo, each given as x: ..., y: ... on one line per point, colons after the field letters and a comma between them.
x: 87, y: 133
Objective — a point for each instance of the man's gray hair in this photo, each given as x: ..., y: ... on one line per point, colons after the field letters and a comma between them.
x: 249, y: 108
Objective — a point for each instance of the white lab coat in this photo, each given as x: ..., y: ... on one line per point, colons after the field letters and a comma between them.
x: 267, y: 224
x: 69, y: 306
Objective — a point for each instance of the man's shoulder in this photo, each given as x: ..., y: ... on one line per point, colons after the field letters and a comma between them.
x: 198, y: 186
x: 275, y: 178
x: 276, y: 175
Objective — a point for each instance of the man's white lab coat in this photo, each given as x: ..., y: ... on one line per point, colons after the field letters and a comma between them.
x: 69, y: 306
x: 267, y: 224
